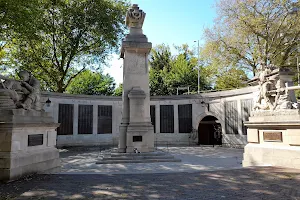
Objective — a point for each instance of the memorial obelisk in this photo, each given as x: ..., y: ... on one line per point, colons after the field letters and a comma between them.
x: 136, y: 130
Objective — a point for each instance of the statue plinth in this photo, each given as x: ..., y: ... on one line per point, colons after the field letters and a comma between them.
x: 27, y: 143
x: 273, y: 139
x: 27, y: 132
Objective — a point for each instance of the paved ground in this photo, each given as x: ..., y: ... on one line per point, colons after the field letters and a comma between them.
x: 193, y: 159
x: 224, y: 180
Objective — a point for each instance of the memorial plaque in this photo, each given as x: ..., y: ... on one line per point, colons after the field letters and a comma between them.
x: 137, y: 138
x: 185, y: 118
x: 273, y: 136
x: 35, y: 140
x: 167, y: 118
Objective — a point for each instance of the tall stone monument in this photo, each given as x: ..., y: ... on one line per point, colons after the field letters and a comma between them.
x: 136, y: 130
x: 27, y: 133
x: 273, y: 131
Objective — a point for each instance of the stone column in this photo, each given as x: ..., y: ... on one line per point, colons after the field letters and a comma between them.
x: 240, y: 117
x: 157, y: 118
x: 135, y: 50
x: 95, y: 119
x: 176, y: 119
x: 75, y: 119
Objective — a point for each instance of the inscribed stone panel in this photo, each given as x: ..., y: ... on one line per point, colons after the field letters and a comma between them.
x: 185, y: 118
x: 152, y: 115
x: 247, y: 105
x: 104, y: 119
x: 65, y: 118
x: 167, y: 119
x: 85, y: 119
x: 231, y: 117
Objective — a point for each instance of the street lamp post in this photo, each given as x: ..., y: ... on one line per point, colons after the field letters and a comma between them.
x: 198, y: 67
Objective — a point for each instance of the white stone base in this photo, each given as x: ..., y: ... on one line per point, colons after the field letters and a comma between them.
x: 27, y: 144
x: 143, y: 129
x: 16, y: 165
x: 271, y: 155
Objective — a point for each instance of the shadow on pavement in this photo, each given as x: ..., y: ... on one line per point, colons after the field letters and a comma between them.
x: 247, y: 183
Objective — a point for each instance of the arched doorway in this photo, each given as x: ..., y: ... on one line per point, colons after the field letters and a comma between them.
x: 209, y: 131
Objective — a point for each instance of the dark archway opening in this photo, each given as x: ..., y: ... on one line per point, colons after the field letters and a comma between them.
x: 209, y: 131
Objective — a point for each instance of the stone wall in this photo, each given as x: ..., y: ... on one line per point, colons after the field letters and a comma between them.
x: 213, y: 103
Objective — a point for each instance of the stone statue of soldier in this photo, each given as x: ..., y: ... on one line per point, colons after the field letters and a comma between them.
x: 31, y: 100
x: 25, y: 92
x: 265, y: 85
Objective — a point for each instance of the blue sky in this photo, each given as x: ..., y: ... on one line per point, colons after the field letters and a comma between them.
x: 170, y: 22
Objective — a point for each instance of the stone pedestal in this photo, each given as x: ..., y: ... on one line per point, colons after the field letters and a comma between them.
x: 140, y: 133
x: 273, y: 139
x: 136, y: 130
x: 27, y: 143
x: 136, y: 110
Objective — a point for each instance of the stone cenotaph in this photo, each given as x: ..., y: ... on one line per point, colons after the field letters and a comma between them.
x: 27, y: 133
x: 273, y: 129
x: 136, y: 130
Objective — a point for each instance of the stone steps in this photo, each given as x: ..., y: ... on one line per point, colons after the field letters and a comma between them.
x: 137, y: 154
x: 151, y: 157
x: 136, y: 161
x: 138, y: 157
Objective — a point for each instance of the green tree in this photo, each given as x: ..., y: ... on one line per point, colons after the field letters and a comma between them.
x: 247, y: 32
x: 92, y: 83
x: 70, y: 37
x: 231, y: 79
x: 119, y: 90
x: 160, y: 57
x: 160, y: 64
x: 157, y: 82
x: 217, y: 69
x: 184, y: 74
x: 167, y: 71
x: 15, y: 16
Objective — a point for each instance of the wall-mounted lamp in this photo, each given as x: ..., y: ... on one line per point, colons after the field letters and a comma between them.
x: 207, y: 104
x: 48, y: 102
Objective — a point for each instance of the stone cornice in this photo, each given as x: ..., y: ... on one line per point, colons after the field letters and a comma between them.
x: 219, y: 94
x: 138, y: 47
x: 24, y: 125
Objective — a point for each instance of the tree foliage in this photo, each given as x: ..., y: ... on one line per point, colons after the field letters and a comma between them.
x: 168, y: 72
x: 160, y: 57
x: 67, y: 38
x: 248, y: 32
x: 119, y: 90
x: 15, y: 16
x: 92, y: 83
x: 231, y: 79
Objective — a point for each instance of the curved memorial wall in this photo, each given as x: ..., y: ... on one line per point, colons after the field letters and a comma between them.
x: 94, y: 120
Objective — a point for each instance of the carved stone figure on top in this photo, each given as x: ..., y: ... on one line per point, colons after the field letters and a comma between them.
x: 10, y: 88
x: 24, y: 93
x: 282, y: 98
x: 135, y: 17
x: 265, y: 85
x: 32, y: 99
x: 274, y: 90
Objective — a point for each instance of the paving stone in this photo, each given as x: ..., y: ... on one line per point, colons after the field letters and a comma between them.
x: 231, y: 183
